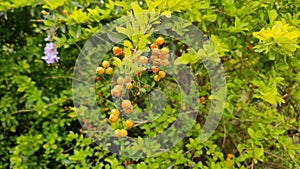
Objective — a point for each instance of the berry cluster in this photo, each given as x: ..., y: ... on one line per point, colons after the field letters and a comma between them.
x: 105, y: 68
x: 158, y: 57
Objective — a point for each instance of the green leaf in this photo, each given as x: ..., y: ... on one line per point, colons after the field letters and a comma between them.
x: 136, y: 8
x: 167, y: 14
x: 251, y: 133
x: 180, y: 61
x: 272, y: 15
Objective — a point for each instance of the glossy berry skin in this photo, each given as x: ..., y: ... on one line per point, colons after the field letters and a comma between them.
x: 105, y: 64
x: 156, y: 78
x: 162, y: 74
x: 115, y: 112
x: 152, y: 46
x: 109, y: 71
x: 113, y: 118
x: 128, y: 123
x: 154, y: 69
x: 159, y: 41
x: 117, y: 51
x: 44, y: 12
x: 100, y: 70
x: 117, y: 133
x: 123, y: 133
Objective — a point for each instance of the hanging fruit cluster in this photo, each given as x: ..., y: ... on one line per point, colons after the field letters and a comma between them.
x: 158, y: 56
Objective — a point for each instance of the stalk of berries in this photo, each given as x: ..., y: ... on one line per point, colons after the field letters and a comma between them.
x: 159, y: 57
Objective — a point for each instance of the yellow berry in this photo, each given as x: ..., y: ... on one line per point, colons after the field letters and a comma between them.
x: 156, y: 78
x: 164, y: 53
x: 113, y: 118
x: 105, y: 64
x: 65, y: 12
x: 129, y: 86
x: 161, y: 74
x: 100, y: 70
x: 128, y: 123
x: 43, y: 12
x: 120, y: 80
x: 109, y: 71
x: 183, y: 106
x: 123, y: 133
x: 115, y: 112
x: 117, y: 133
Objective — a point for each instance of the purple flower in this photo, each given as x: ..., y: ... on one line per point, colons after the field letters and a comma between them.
x: 50, y: 53
x: 48, y: 38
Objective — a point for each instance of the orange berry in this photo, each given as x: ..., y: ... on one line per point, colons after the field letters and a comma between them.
x: 113, y: 118
x: 153, y: 45
x: 116, y: 92
x: 115, y: 112
x: 161, y: 74
x: 65, y: 12
x: 100, y: 70
x: 164, y: 62
x: 126, y: 106
x: 139, y: 74
x: 128, y: 110
x: 155, y: 51
x: 160, y: 41
x: 117, y: 51
x: 123, y: 133
x: 154, y: 69
x: 156, y: 62
x: 202, y: 99
x: 128, y: 123
x: 120, y: 80
x: 153, y: 57
x: 156, y: 78
x: 143, y: 60
x: 109, y: 71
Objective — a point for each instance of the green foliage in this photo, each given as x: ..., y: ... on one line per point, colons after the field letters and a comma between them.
x: 257, y: 41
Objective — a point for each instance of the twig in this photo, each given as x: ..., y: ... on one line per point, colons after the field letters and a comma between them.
x: 224, y: 138
x: 21, y: 111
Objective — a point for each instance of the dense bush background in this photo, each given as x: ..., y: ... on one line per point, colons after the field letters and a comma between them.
x: 260, y: 125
